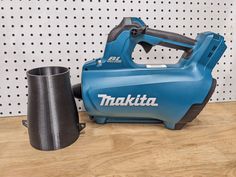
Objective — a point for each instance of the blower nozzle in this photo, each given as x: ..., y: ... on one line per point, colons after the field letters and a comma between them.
x: 77, y: 91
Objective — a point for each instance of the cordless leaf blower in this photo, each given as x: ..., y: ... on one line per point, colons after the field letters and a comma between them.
x: 116, y: 89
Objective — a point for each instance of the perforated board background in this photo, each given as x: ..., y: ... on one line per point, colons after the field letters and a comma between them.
x: 36, y: 33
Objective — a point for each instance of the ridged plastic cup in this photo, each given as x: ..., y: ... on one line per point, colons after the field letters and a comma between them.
x: 52, y: 119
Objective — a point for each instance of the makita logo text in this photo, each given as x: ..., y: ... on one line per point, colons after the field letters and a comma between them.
x: 127, y: 101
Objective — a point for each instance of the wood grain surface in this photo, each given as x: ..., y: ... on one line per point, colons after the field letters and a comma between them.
x: 205, y: 147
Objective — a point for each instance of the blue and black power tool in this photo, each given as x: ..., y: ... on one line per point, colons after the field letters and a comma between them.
x: 116, y: 89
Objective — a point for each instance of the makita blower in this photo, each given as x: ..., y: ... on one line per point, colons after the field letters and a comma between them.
x: 116, y: 89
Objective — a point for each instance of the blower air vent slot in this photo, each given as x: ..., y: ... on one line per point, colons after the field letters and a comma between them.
x: 214, y: 48
x: 210, y: 54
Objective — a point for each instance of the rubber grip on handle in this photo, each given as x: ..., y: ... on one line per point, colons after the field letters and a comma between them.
x: 171, y: 37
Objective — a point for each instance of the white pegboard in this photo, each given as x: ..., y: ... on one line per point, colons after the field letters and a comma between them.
x: 36, y: 33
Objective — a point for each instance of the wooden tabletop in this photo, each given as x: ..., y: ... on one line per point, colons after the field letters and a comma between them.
x: 205, y: 147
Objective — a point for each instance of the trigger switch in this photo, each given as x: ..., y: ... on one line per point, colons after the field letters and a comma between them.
x: 147, y: 47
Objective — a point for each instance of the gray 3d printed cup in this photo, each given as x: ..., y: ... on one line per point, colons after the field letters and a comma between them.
x: 52, y: 120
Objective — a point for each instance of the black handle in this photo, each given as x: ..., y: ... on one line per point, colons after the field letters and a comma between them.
x: 170, y: 36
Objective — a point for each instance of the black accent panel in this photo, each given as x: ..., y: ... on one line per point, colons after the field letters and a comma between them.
x: 125, y: 24
x: 170, y: 36
x: 195, y: 109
